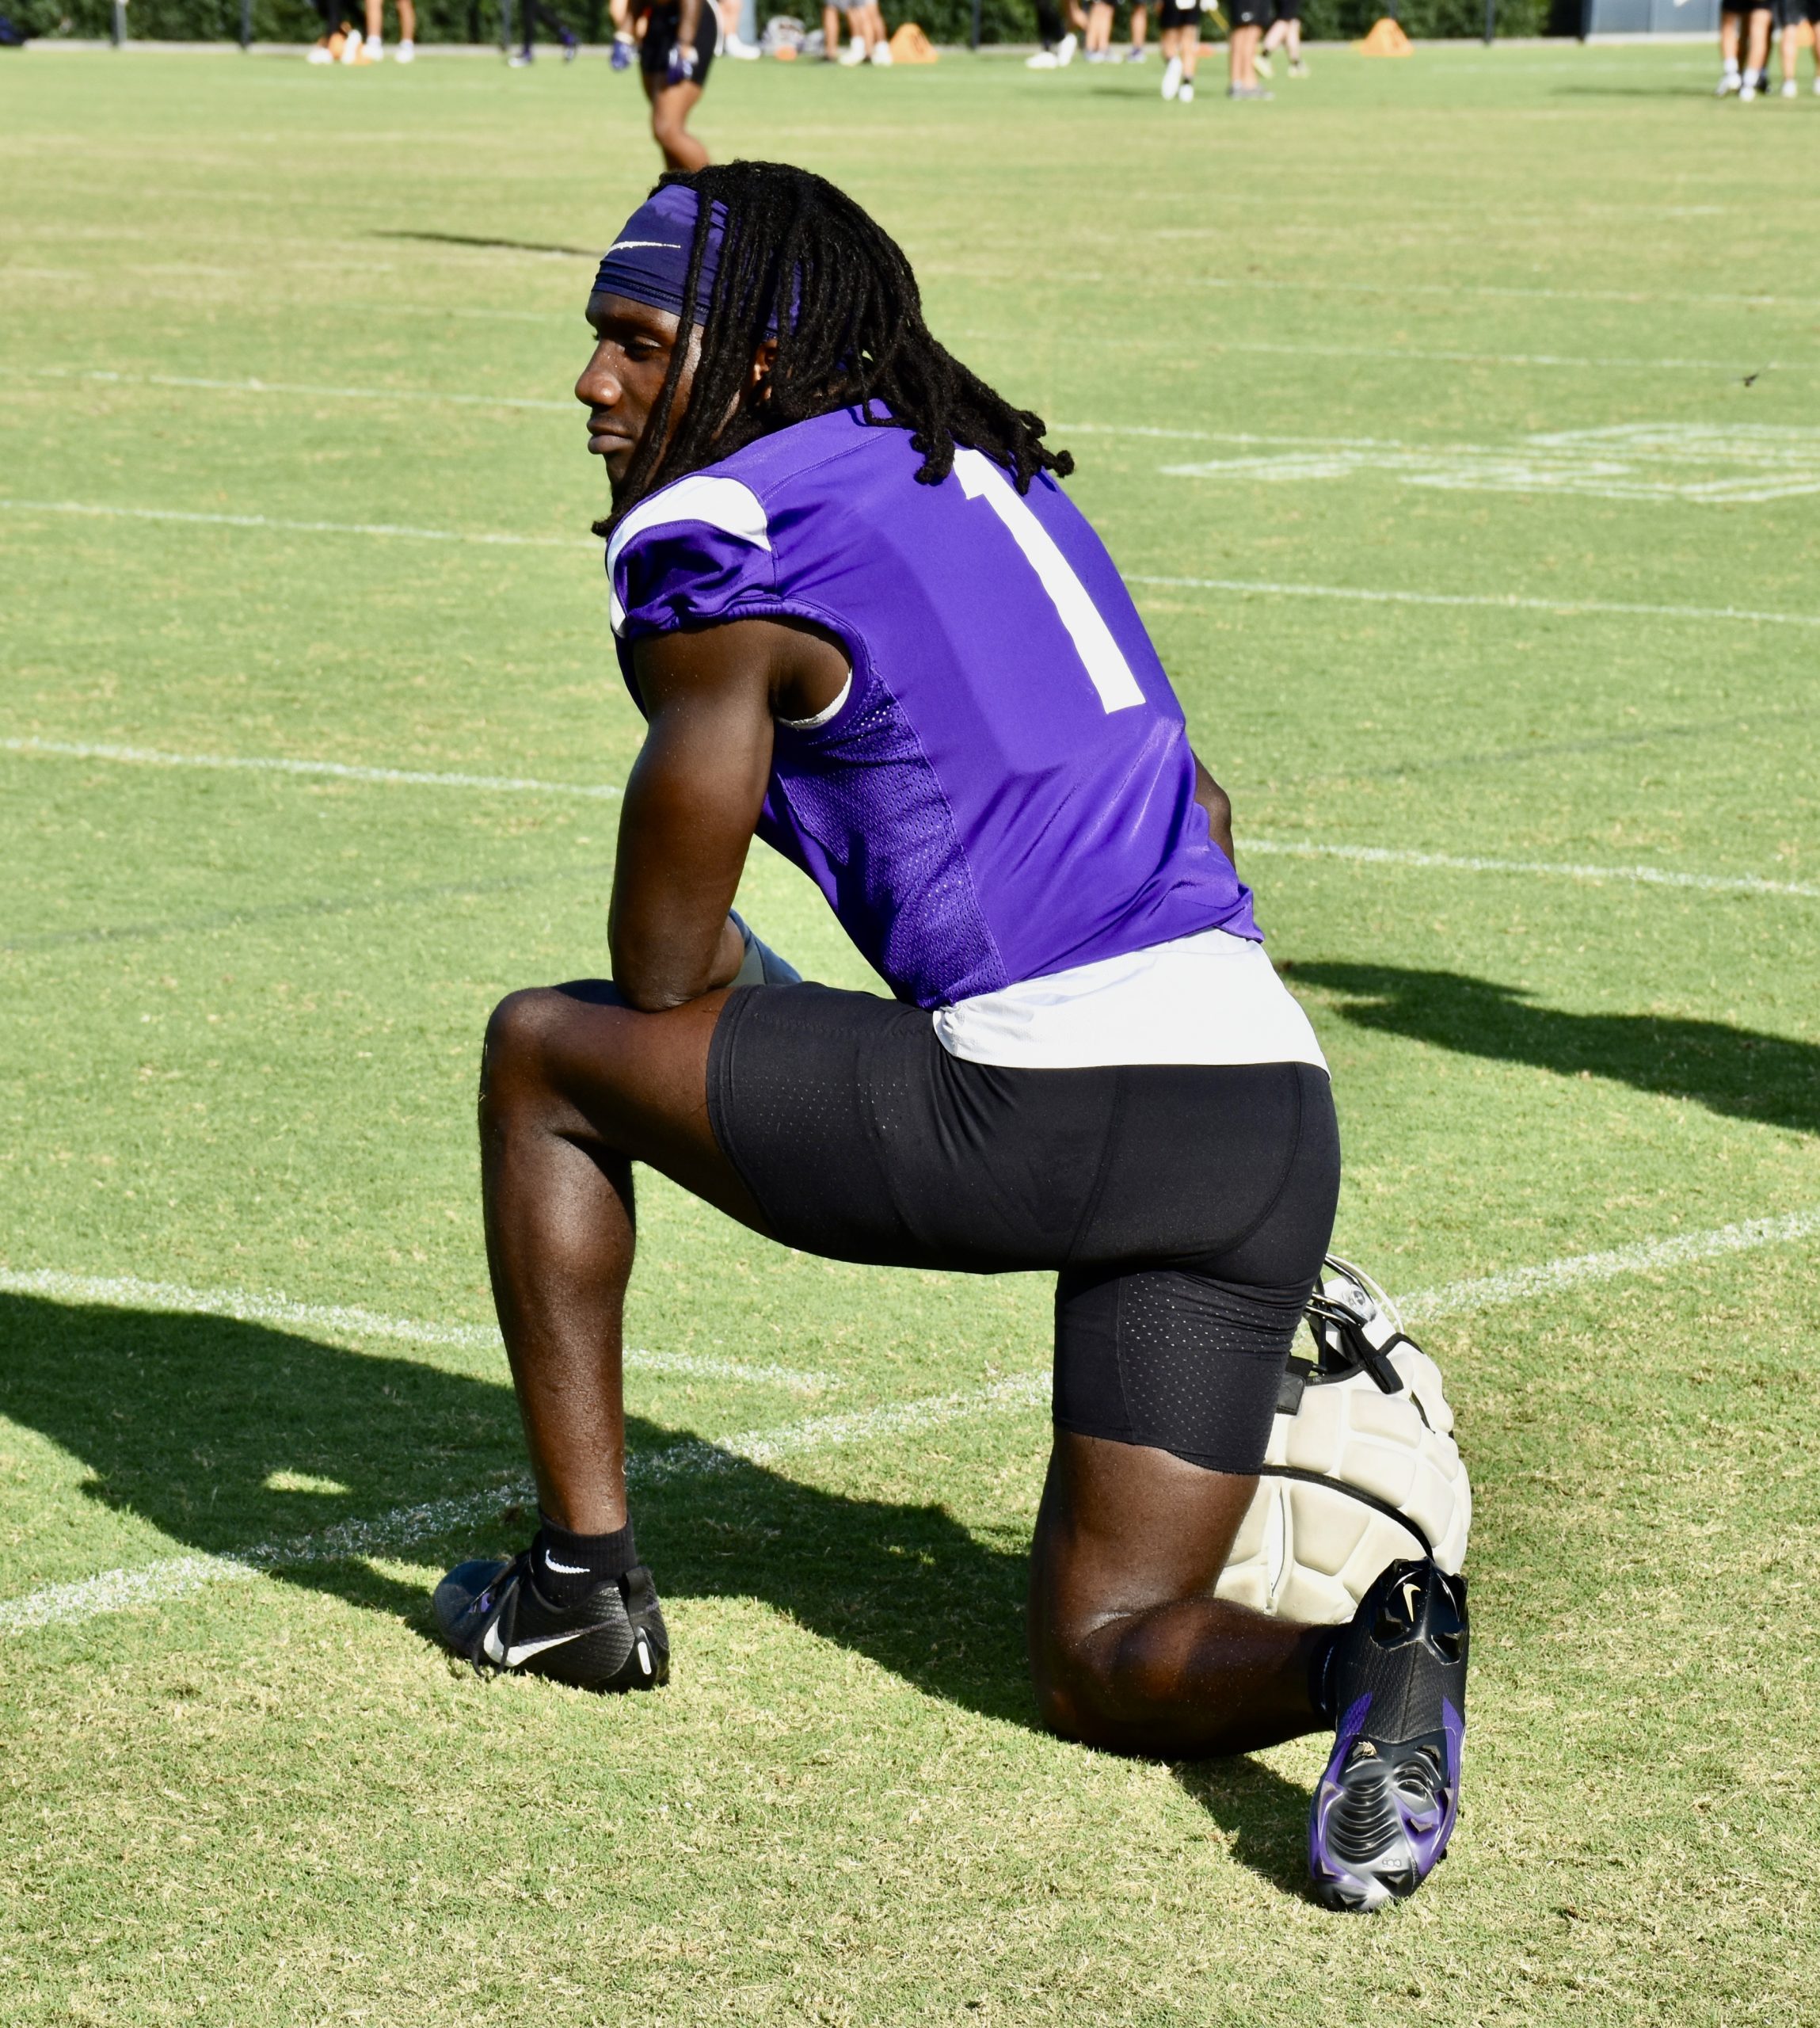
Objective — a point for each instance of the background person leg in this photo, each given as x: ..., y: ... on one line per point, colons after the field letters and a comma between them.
x: 671, y: 105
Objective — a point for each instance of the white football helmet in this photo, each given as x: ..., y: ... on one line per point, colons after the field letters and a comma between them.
x: 1362, y: 1469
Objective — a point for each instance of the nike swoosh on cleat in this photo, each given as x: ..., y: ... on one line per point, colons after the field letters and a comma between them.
x: 522, y: 1651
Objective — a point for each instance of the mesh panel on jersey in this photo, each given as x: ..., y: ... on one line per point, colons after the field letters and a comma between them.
x: 870, y: 792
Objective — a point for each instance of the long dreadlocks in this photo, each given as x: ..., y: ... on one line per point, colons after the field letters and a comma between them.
x: 800, y: 262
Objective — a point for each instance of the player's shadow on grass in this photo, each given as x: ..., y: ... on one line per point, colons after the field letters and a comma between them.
x: 1264, y: 1815
x: 230, y: 1437
x: 1737, y: 1071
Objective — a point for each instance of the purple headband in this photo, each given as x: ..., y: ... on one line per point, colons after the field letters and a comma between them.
x: 649, y: 260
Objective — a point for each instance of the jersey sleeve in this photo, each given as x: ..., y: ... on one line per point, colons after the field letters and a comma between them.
x: 690, y: 555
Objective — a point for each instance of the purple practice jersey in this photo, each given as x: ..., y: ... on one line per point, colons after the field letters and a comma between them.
x: 1006, y: 789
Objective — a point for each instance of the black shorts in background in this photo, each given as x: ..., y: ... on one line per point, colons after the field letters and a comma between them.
x: 1171, y: 15
x: 1248, y: 13
x: 1184, y: 1208
x: 660, y: 39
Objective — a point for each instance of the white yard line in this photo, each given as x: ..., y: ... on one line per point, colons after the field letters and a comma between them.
x: 1317, y: 284
x: 148, y: 757
x: 391, y: 530
x: 175, y: 1578
x: 1645, y: 1257
x: 1423, y: 357
x: 173, y: 1299
x: 309, y: 389
x: 1564, y: 607
x: 1647, y: 876
x: 314, y: 391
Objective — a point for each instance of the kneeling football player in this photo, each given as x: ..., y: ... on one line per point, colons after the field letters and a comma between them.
x: 863, y: 621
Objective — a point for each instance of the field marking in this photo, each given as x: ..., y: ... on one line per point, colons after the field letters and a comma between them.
x: 313, y: 390
x: 1640, y: 298
x: 392, y: 530
x: 252, y: 385
x: 175, y: 1578
x: 1647, y: 876
x: 148, y: 757
x: 1550, y: 358
x: 1551, y: 1277
x: 1566, y: 608
x: 174, y: 1298
x: 1697, y: 464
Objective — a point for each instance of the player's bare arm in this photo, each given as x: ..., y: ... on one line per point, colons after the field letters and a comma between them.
x: 691, y: 801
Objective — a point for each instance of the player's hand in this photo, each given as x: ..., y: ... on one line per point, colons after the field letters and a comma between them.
x: 681, y: 70
x: 759, y: 964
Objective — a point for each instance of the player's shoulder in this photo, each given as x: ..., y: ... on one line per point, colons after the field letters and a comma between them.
x: 708, y: 542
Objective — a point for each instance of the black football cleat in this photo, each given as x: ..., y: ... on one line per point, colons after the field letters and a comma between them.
x: 492, y: 1615
x: 1396, y: 1686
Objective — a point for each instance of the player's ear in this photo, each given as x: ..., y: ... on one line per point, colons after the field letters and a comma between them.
x: 764, y: 360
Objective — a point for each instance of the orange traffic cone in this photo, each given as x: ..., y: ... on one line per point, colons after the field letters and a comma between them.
x: 911, y: 45
x: 1385, y: 39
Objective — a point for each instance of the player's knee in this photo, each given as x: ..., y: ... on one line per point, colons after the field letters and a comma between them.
x: 1071, y: 1671
x: 1061, y: 1708
x: 515, y: 1035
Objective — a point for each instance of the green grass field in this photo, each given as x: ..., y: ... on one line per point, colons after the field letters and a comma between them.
x: 287, y: 475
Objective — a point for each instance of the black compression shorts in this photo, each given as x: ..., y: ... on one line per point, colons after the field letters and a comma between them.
x: 660, y: 39
x: 1185, y: 1208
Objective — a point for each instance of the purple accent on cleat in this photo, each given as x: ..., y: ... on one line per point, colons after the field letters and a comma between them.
x: 1388, y: 1799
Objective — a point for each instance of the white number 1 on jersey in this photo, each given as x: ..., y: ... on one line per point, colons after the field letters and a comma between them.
x: 1107, y: 668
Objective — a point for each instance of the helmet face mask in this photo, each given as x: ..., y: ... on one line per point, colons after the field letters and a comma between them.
x: 1362, y: 1471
